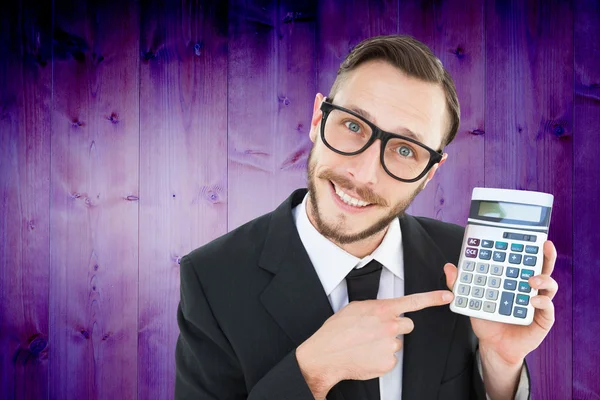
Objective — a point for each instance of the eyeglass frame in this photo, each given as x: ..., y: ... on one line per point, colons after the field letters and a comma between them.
x: 377, y: 133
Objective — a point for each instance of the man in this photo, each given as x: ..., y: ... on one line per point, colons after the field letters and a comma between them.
x: 265, y: 310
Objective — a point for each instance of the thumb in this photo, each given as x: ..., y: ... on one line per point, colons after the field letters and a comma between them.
x: 451, y: 274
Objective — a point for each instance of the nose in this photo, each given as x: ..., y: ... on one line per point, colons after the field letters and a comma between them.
x: 365, y: 167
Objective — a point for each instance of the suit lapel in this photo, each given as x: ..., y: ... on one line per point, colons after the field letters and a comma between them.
x: 426, y: 347
x: 295, y: 297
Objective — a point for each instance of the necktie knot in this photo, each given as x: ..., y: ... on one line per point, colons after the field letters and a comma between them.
x: 363, y: 283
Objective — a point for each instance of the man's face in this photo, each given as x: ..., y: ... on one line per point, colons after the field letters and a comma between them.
x: 393, y: 101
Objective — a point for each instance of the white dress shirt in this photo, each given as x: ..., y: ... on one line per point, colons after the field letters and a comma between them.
x: 332, y: 264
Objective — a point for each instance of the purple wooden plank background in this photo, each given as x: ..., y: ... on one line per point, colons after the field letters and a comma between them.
x: 183, y: 166
x: 93, y: 212
x: 164, y: 125
x: 454, y: 31
x: 25, y: 107
x: 586, y: 217
x: 529, y: 129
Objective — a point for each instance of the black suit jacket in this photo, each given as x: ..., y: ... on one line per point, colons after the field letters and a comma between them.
x: 251, y: 296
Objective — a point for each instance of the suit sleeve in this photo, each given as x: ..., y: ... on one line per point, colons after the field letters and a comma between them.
x: 523, y: 389
x: 205, y: 362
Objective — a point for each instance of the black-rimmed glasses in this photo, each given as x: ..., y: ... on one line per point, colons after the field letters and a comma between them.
x: 403, y: 158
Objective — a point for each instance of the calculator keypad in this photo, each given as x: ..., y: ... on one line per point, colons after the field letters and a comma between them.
x: 494, y: 277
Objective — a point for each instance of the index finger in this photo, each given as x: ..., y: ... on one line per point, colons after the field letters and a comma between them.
x: 418, y: 301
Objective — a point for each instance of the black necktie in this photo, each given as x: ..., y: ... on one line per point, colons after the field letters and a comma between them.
x: 363, y: 284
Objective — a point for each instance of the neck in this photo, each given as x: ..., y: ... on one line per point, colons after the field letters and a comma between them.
x: 359, y: 248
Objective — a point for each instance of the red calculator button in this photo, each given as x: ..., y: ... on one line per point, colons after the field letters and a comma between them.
x: 469, y: 252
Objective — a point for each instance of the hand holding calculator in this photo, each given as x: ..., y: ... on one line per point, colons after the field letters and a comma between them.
x: 502, y: 248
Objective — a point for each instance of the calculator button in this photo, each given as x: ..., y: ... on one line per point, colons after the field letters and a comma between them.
x: 524, y: 287
x: 469, y: 266
x: 497, y: 270
x: 478, y: 292
x: 461, y: 301
x: 526, y: 273
x: 506, y: 303
x: 475, y: 304
x: 494, y: 282
x: 473, y: 242
x: 514, y: 258
x: 499, y: 256
x: 531, y: 249
x: 471, y: 253
x: 516, y: 247
x: 491, y: 294
x: 520, y: 312
x: 480, y: 280
x: 501, y: 245
x: 510, y: 284
x: 488, y: 306
x: 512, y: 272
x: 482, y: 268
x: 529, y: 260
x: 488, y: 244
x: 466, y: 277
x: 485, y: 254
x: 522, y: 299
x: 464, y: 289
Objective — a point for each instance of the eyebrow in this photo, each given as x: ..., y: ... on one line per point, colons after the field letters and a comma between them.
x: 400, y: 130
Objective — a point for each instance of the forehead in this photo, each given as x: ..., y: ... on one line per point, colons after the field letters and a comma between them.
x: 395, y: 102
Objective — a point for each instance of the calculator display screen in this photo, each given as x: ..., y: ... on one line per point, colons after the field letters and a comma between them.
x: 513, y: 211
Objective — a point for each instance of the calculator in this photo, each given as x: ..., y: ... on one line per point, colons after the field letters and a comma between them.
x: 502, y: 248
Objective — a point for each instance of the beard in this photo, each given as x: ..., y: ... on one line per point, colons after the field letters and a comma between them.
x: 336, y: 232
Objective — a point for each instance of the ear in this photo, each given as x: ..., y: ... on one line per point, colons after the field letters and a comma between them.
x: 316, y: 117
x: 434, y: 169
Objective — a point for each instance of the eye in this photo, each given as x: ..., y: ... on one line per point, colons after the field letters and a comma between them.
x: 353, y: 126
x: 405, y: 151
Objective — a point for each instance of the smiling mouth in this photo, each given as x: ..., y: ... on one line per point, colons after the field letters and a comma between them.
x: 349, y: 200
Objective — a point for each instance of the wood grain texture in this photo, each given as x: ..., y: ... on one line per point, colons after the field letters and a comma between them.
x: 183, y: 166
x: 340, y: 28
x: 529, y: 131
x: 586, y: 215
x: 454, y: 31
x: 269, y: 98
x: 94, y: 208
x: 25, y: 103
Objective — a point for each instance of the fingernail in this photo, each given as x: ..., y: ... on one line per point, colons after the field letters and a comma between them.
x: 447, y: 296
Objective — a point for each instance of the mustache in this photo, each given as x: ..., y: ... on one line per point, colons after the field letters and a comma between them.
x: 344, y: 183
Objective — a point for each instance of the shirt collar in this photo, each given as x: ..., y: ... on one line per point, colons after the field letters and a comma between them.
x: 332, y: 263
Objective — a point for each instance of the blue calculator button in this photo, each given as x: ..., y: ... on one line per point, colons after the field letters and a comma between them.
x: 501, y: 245
x: 512, y: 272
x: 488, y: 244
x: 529, y: 260
x: 516, y: 247
x: 520, y: 312
x: 510, y: 284
x: 485, y: 254
x: 524, y: 287
x: 531, y: 249
x: 514, y: 258
x: 526, y: 273
x: 499, y: 256
x: 506, y: 303
x: 522, y: 299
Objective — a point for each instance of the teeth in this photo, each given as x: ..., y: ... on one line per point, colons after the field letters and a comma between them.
x: 350, y: 200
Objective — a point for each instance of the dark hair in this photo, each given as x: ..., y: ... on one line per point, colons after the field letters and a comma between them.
x: 413, y: 58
